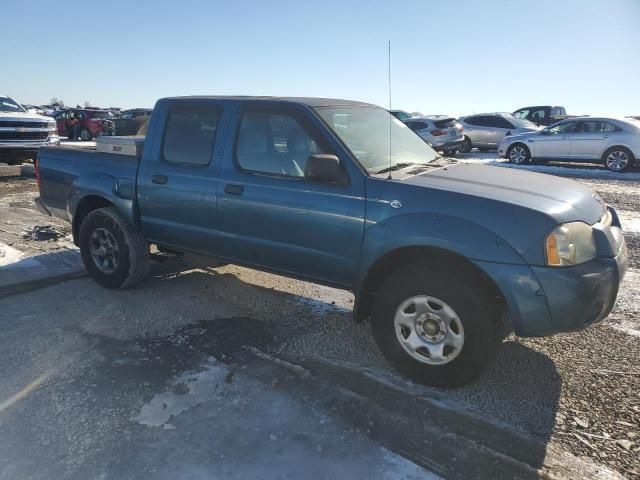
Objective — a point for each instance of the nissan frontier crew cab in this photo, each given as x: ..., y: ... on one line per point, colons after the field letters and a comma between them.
x: 442, y: 257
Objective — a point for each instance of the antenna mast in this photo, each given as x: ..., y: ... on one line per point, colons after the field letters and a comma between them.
x: 390, y: 119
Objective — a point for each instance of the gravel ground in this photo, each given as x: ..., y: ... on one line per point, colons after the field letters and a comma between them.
x: 577, y: 390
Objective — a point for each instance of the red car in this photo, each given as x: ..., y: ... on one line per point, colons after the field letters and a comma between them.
x: 90, y: 123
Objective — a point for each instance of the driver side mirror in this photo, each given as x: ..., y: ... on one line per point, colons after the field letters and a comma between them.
x: 323, y: 168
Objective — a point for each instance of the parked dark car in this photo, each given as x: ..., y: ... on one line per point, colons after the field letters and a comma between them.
x: 92, y: 123
x: 544, y: 115
x: 129, y: 122
x: 438, y: 254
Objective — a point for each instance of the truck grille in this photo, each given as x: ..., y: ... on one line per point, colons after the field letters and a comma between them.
x: 14, y: 124
x: 23, y: 135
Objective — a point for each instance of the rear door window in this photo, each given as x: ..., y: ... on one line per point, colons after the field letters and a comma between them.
x: 415, y: 126
x: 190, y: 134
x: 446, y: 123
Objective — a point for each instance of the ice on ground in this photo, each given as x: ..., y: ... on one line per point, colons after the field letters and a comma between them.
x: 187, y: 391
x: 12, y: 258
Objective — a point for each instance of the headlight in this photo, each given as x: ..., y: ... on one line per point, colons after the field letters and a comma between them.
x: 52, y: 126
x: 570, y: 244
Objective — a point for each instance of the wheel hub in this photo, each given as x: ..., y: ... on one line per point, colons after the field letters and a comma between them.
x: 429, y: 330
x: 104, y: 250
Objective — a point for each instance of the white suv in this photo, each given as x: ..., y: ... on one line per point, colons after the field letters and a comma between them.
x: 442, y: 132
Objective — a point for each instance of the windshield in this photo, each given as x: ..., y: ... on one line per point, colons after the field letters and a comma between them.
x: 522, y: 122
x: 8, y: 105
x: 366, y: 130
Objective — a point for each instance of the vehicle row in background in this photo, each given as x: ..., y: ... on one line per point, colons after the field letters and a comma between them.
x: 85, y: 124
x: 614, y: 142
x: 485, y: 131
x: 130, y: 122
x: 23, y: 133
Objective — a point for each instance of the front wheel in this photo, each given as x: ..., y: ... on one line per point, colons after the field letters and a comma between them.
x: 519, y: 154
x: 113, y: 252
x: 434, y: 328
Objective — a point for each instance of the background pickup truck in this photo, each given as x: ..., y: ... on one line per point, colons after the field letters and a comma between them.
x: 542, y: 115
x: 23, y: 133
x: 440, y: 256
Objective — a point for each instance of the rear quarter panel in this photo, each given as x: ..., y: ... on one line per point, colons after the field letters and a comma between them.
x: 68, y: 175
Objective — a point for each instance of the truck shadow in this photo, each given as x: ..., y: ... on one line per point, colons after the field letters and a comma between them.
x: 521, y: 391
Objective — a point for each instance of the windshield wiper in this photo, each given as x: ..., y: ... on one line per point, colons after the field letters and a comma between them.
x: 397, y: 166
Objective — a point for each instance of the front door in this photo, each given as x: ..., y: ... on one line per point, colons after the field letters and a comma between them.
x: 274, y: 217
x: 179, y: 185
x: 554, y: 142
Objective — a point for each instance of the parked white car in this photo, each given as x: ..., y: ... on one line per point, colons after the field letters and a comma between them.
x: 615, y: 142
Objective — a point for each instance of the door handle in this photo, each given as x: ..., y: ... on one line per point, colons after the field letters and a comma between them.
x: 160, y: 179
x: 234, y: 189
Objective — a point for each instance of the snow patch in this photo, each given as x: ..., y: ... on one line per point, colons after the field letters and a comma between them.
x: 187, y: 391
x: 626, y: 314
x: 630, y: 221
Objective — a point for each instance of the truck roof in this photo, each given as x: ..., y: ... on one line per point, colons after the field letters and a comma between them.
x: 309, y: 101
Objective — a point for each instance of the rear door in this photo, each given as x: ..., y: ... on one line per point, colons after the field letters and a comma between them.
x: 178, y: 180
x: 476, y: 129
x: 591, y: 139
x: 271, y: 215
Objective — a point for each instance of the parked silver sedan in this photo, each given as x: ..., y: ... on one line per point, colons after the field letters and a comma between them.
x: 615, y: 142
x: 486, y: 130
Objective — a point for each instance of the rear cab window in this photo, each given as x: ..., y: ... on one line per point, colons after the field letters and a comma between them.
x: 190, y: 134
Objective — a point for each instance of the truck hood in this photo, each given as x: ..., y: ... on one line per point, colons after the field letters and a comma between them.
x: 562, y: 199
x: 24, y: 116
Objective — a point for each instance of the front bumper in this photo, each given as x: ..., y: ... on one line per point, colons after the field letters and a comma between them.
x: 547, y: 300
x: 20, y: 147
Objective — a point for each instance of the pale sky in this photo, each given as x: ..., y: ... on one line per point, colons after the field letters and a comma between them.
x: 448, y: 57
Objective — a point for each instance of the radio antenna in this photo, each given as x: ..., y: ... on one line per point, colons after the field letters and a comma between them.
x: 390, y: 119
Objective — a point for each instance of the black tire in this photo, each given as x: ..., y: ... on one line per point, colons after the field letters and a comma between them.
x: 85, y: 135
x: 519, y: 159
x: 614, y: 166
x: 482, y: 335
x: 132, y: 263
x: 466, y: 146
x: 450, y: 153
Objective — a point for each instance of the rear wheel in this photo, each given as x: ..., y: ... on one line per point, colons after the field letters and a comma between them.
x: 114, y: 253
x: 450, y: 153
x: 434, y: 328
x: 618, y: 159
x: 466, y: 145
x: 519, y: 154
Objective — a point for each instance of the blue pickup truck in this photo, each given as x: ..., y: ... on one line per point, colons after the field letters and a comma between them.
x: 442, y: 257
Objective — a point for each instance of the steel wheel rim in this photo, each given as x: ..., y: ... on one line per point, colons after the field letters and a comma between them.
x: 466, y: 146
x: 104, y: 250
x: 617, y: 160
x: 517, y: 154
x: 429, y: 330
